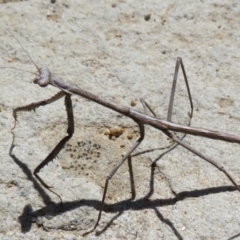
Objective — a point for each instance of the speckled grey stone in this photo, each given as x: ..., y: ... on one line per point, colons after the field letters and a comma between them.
x: 108, y: 48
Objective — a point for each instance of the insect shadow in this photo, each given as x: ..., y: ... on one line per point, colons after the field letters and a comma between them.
x: 30, y: 216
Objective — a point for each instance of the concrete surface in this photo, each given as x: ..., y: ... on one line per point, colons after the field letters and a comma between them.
x: 114, y: 50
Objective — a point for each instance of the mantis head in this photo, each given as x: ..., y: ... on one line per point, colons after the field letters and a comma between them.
x: 44, y: 77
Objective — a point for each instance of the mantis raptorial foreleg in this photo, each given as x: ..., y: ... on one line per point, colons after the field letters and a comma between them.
x: 60, y: 145
x: 35, y: 105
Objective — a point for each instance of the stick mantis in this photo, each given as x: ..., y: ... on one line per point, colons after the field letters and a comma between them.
x: 44, y: 79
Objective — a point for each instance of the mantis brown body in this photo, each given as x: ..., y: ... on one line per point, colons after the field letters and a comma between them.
x: 44, y: 79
